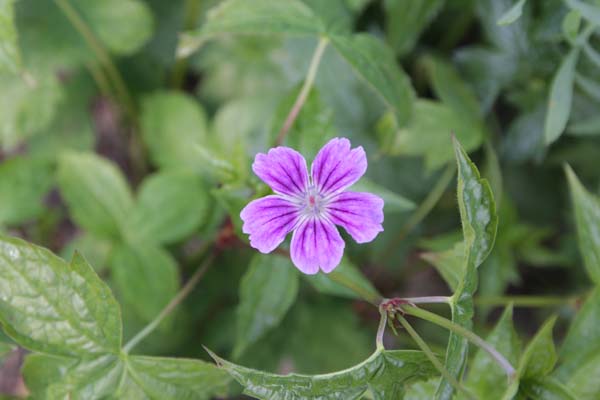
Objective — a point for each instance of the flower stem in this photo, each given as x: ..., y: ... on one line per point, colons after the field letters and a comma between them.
x: 191, y: 12
x: 467, y: 334
x: 183, y: 293
x: 304, y: 91
x: 427, y: 299
x: 381, y: 329
x: 431, y: 356
x: 423, y: 210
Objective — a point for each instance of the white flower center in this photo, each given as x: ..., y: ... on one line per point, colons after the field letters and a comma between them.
x: 314, y: 203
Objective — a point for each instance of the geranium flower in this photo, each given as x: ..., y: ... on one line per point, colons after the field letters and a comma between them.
x: 312, y: 205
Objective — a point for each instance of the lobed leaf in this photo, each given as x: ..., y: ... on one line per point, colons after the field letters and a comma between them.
x: 50, y: 306
x: 385, y: 373
x: 479, y: 222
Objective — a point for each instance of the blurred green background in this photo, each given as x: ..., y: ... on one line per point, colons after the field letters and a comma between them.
x: 113, y: 145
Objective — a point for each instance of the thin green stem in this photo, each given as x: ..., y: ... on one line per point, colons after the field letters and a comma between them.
x: 423, y: 210
x: 467, y: 334
x: 100, y: 78
x: 431, y: 356
x: 427, y: 299
x: 192, y: 11
x: 90, y: 38
x: 183, y: 293
x: 304, y: 91
x: 381, y: 329
x: 525, y: 301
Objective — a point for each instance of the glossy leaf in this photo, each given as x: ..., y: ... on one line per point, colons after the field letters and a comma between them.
x: 268, y: 289
x: 10, y: 58
x: 122, y: 25
x: 23, y: 183
x: 585, y: 328
x: 512, y: 14
x: 479, y: 223
x: 174, y: 129
x: 375, y: 64
x: 96, y: 192
x: 169, y: 207
x: 547, y: 389
x: 51, y: 306
x: 485, y: 376
x: 145, y: 276
x: 587, y: 219
x: 406, y: 19
x: 588, y: 11
x: 385, y: 373
x: 559, y: 100
x: 351, y: 277
x: 131, y: 377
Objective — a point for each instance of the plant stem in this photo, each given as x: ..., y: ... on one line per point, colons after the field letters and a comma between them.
x: 100, y: 78
x: 446, y: 323
x: 427, y: 300
x: 524, y: 301
x: 304, y: 91
x: 183, y: 293
x: 423, y: 210
x: 90, y: 38
x: 192, y: 11
x: 381, y: 329
x: 431, y: 356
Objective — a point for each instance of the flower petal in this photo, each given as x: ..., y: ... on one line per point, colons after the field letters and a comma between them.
x: 283, y: 169
x: 336, y: 166
x: 268, y: 220
x: 316, y: 243
x: 360, y: 214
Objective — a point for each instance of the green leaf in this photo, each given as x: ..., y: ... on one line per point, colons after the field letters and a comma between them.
x: 479, y: 223
x: 588, y: 11
x: 146, y: 277
x: 162, y: 378
x: 570, y: 25
x: 96, y: 192
x: 587, y: 220
x: 559, y: 100
x: 51, y: 306
x: 351, y: 277
x: 485, y: 376
x: 406, y: 19
x: 539, y: 357
x: 174, y: 129
x: 122, y: 25
x: 130, y: 377
x: 513, y: 14
x: 23, y: 183
x: 170, y: 206
x: 586, y: 127
x: 428, y: 133
x: 585, y: 328
x: 385, y: 373
x: 267, y: 291
x: 582, y: 382
x: 394, y: 203
x: 375, y: 64
x: 10, y: 58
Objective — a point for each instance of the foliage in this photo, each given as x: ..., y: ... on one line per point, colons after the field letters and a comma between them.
x: 128, y: 129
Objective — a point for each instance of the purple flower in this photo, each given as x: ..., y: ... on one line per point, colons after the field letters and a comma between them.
x: 312, y: 205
